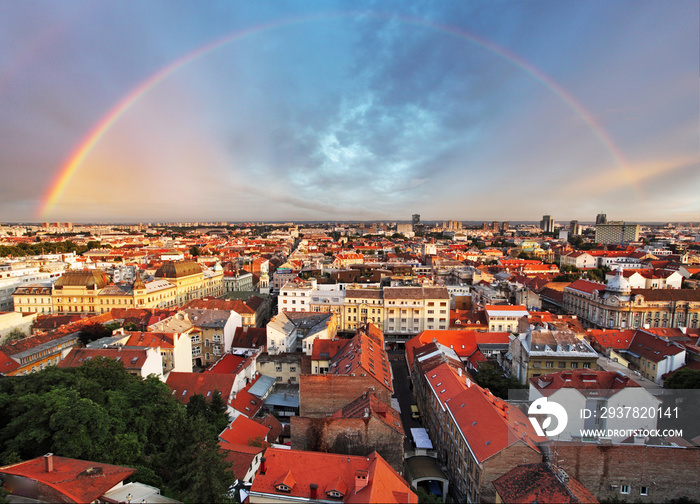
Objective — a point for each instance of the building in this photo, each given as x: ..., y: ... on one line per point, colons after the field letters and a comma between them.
x: 362, y: 306
x: 615, y: 305
x: 59, y: 479
x: 361, y: 427
x: 214, y: 333
x: 504, y: 317
x: 141, y: 362
x: 653, y: 356
x: 574, y: 228
x: 616, y: 233
x: 302, y: 476
x: 547, y: 224
x: 543, y: 351
x: 295, y: 331
x: 541, y: 483
x: 410, y: 310
x: 477, y: 436
x: 594, y: 391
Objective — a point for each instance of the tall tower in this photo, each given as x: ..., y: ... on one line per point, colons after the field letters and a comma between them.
x: 601, y: 218
x: 547, y: 224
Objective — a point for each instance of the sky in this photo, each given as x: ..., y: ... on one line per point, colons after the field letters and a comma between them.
x: 174, y: 110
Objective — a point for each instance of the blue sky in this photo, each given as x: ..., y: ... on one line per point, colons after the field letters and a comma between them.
x: 351, y: 110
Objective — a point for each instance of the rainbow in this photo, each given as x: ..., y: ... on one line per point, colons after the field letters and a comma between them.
x: 78, y: 156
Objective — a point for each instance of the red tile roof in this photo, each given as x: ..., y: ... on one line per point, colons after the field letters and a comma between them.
x: 586, y: 286
x: 240, y: 456
x: 488, y: 424
x: 78, y: 480
x: 132, y: 358
x: 185, y: 385
x: 301, y: 469
x: 608, y: 382
x: 151, y: 339
x: 243, y: 430
x: 652, y: 347
x: 611, y: 338
x: 246, y: 403
x: 363, y: 355
x: 7, y: 364
x: 539, y: 483
x: 464, y: 343
x: 227, y: 364
x: 368, y: 404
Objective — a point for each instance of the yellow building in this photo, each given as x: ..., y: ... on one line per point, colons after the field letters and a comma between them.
x: 362, y: 306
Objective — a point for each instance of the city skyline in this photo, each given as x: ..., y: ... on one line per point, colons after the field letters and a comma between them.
x: 127, y: 112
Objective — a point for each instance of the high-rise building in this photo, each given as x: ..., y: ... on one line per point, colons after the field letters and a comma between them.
x: 505, y: 226
x: 601, y: 218
x: 415, y: 220
x: 574, y: 228
x: 494, y: 226
x: 616, y: 233
x: 547, y: 224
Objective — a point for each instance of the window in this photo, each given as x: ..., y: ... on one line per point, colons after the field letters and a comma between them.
x: 624, y: 489
x: 549, y: 364
x: 644, y: 490
x: 292, y: 369
x: 586, y: 364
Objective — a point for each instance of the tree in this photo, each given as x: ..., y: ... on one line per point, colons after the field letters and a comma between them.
x: 15, y: 334
x: 92, y: 332
x: 425, y: 497
x: 684, y: 378
x: 195, y: 251
x: 493, y: 379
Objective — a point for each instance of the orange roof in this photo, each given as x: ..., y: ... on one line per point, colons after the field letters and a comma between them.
x: 132, y: 358
x: 538, y: 483
x: 245, y: 402
x: 228, y: 364
x: 78, y: 480
x: 185, y: 385
x: 242, y: 430
x: 151, y: 339
x: 362, y: 355
x: 582, y: 379
x: 298, y: 470
x: 613, y: 338
x: 464, y: 343
x: 490, y: 425
x: 7, y: 364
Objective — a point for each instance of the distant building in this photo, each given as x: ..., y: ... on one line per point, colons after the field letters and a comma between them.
x: 574, y: 228
x: 547, y: 224
x: 601, y: 218
x: 616, y: 233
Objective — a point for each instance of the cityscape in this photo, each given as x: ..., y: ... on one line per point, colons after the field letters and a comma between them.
x: 361, y: 252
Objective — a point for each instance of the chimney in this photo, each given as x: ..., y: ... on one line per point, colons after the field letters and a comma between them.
x: 361, y: 480
x: 263, y: 467
x: 48, y: 462
x: 313, y: 487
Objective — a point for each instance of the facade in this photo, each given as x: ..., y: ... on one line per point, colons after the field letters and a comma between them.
x: 296, y: 331
x: 583, y: 389
x: 616, y: 233
x: 140, y: 362
x: 616, y: 305
x: 544, y: 351
x: 504, y: 317
x: 362, y: 306
x: 34, y: 353
x: 214, y: 335
x: 410, y: 310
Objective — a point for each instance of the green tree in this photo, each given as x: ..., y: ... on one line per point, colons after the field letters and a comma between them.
x: 15, y: 334
x: 195, y: 251
x: 684, y: 378
x: 493, y: 379
x: 425, y: 497
x: 92, y: 332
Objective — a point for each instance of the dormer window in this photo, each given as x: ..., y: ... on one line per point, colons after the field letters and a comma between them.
x: 283, y: 488
x: 334, y: 494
